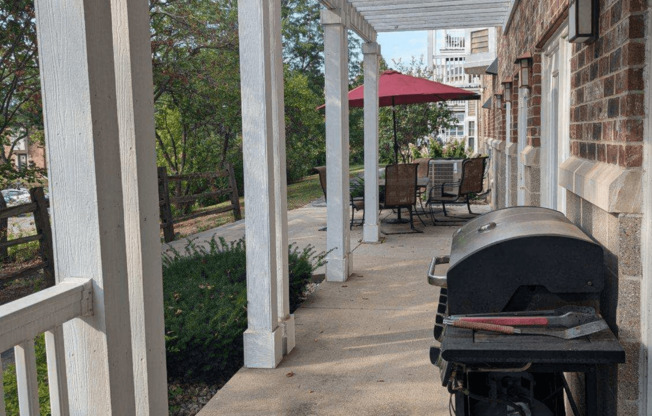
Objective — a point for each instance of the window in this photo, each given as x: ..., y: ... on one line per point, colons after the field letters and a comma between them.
x: 480, y: 41
x: 471, y: 129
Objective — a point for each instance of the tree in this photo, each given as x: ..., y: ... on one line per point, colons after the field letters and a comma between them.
x: 416, y: 124
x: 20, y: 100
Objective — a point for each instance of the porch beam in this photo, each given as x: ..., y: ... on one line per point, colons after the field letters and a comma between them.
x: 76, y: 62
x: 368, y: 8
x: 371, y: 231
x: 135, y: 101
x: 337, y: 146
x: 285, y: 319
x: 351, y: 18
x: 263, y: 339
x: 430, y: 25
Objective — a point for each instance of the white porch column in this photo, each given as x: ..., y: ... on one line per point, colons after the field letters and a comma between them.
x: 371, y: 231
x: 263, y: 339
x: 84, y: 169
x: 336, y: 70
x: 285, y: 319
x: 133, y: 69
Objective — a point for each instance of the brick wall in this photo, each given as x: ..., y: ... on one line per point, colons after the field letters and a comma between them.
x: 607, y: 101
x: 607, y: 112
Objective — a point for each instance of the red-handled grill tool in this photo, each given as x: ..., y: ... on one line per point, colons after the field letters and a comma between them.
x: 570, y: 333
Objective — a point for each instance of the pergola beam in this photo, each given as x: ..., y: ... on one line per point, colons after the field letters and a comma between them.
x: 352, y: 18
x: 405, y: 15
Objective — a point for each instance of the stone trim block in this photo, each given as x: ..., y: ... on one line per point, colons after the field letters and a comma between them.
x: 530, y: 156
x: 612, y: 188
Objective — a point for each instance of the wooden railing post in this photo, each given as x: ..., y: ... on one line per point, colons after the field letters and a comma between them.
x: 42, y: 223
x: 235, y: 198
x: 4, y: 231
x: 164, y: 204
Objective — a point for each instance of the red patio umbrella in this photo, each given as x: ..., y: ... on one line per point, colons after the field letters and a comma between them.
x: 395, y: 88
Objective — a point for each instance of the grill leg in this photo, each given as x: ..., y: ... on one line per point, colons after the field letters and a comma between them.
x: 468, y: 204
x: 591, y: 392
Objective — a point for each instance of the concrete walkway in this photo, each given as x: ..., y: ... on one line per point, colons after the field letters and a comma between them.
x: 362, y: 346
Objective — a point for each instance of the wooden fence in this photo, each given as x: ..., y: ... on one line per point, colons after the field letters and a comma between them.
x: 165, y: 201
x: 39, y: 207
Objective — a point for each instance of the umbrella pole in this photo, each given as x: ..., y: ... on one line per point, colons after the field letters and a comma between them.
x: 399, y: 219
x: 395, y: 137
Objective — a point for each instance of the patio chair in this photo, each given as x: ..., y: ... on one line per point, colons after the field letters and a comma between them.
x: 460, y: 192
x: 321, y: 170
x: 422, y: 172
x: 357, y: 203
x: 401, y: 188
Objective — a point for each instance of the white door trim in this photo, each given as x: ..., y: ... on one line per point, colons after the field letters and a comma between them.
x: 523, y: 95
x: 555, y: 126
x: 645, y: 383
x: 508, y: 162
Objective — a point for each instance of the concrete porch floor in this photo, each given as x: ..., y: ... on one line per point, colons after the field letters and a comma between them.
x: 361, y: 346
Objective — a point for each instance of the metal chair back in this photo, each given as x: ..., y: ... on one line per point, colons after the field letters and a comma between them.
x: 321, y: 170
x: 472, y: 175
x: 401, y: 185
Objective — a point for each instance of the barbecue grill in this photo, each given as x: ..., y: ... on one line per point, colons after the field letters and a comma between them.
x: 513, y: 264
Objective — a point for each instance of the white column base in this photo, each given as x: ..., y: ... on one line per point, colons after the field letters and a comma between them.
x: 288, y: 328
x: 371, y: 233
x: 263, y: 349
x: 338, y: 270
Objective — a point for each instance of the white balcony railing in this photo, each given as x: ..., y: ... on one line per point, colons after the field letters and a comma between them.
x: 450, y: 70
x: 42, y: 312
x: 454, y: 42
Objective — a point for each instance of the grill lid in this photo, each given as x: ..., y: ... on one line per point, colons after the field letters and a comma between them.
x: 499, y: 253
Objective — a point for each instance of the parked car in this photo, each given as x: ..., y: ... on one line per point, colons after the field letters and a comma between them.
x: 14, y: 196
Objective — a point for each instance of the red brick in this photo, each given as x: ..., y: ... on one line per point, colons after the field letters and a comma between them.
x: 634, y: 53
x: 631, y: 156
x: 602, y: 152
x: 632, y: 105
x: 612, y: 153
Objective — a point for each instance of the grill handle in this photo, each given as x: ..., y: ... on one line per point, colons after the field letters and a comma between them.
x: 435, y: 279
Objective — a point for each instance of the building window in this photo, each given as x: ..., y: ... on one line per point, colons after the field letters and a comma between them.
x: 480, y: 41
x: 471, y: 128
x: 22, y: 161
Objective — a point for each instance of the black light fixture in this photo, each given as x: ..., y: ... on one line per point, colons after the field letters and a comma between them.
x: 583, y: 18
x: 524, y: 61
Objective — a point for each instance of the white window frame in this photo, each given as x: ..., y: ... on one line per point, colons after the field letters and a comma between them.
x: 555, y: 126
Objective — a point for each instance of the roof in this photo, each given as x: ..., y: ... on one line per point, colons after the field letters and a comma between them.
x: 487, y: 104
x: 493, y: 68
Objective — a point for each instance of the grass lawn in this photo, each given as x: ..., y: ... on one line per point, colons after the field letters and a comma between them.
x: 300, y: 193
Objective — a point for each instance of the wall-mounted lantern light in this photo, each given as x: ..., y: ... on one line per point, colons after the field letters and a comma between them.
x: 583, y: 16
x: 507, y: 86
x: 524, y: 61
x: 498, y: 99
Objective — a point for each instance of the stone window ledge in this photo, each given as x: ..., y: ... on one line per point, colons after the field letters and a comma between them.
x: 497, y: 144
x: 530, y: 156
x: 612, y: 188
x: 511, y: 149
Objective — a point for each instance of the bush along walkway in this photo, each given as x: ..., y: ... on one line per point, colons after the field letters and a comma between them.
x: 205, y: 298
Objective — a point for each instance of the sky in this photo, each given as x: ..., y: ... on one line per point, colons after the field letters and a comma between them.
x: 403, y: 45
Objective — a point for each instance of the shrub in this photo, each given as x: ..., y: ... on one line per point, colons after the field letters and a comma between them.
x: 205, y: 300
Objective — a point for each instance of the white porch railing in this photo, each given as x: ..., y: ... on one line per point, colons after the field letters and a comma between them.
x: 42, y: 312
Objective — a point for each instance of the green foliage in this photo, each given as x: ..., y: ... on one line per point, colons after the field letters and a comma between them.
x: 435, y: 149
x: 205, y: 300
x: 415, y: 123
x: 304, y: 126
x: 11, y: 388
x: 20, y: 97
x: 455, y: 149
x: 196, y: 84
